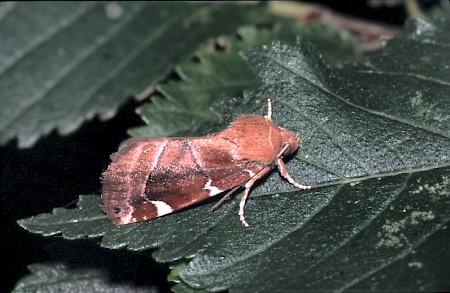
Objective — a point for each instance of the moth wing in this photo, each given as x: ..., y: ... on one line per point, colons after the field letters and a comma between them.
x: 151, y: 177
x: 125, y: 179
x: 191, y: 171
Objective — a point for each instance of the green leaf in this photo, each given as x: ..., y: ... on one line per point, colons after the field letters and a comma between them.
x: 63, y: 63
x: 216, y: 74
x: 375, y: 145
x: 174, y: 276
x: 86, y: 221
x: 60, y: 278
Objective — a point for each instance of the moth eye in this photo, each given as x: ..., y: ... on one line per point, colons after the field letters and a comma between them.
x: 117, y: 210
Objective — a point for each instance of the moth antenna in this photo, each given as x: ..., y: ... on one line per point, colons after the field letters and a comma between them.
x: 280, y: 154
x: 269, y: 109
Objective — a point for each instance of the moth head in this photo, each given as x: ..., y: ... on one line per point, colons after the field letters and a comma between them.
x: 291, y: 139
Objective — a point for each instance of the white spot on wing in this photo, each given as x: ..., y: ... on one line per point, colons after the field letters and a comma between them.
x: 213, y: 190
x: 250, y: 172
x: 162, y: 207
x: 126, y: 219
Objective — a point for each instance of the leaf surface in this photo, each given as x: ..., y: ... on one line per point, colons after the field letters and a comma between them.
x: 61, y: 278
x: 216, y: 73
x: 375, y: 146
x: 63, y: 63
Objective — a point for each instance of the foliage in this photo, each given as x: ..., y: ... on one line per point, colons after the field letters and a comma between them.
x: 375, y: 145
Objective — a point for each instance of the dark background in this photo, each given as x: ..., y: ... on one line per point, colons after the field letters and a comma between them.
x: 58, y: 169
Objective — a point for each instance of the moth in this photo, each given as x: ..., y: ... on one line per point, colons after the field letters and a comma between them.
x: 151, y: 177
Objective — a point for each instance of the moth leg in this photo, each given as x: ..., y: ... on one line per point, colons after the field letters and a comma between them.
x: 248, y: 186
x: 285, y: 174
x: 225, y: 197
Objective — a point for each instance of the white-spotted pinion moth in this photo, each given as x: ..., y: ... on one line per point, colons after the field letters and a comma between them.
x: 151, y: 177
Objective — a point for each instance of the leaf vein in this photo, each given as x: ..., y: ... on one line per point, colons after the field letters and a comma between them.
x: 332, y: 138
x: 375, y: 113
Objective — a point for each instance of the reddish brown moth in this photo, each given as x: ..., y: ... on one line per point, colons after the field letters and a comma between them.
x: 152, y: 177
